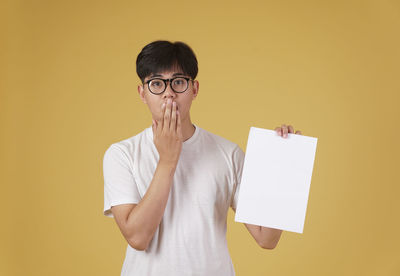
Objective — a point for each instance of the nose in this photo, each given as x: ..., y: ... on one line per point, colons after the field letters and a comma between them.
x: 169, y: 93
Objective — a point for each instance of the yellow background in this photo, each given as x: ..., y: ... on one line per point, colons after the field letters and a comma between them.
x: 68, y: 90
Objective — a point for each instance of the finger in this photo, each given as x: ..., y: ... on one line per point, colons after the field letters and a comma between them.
x: 284, y: 131
x: 167, y: 115
x: 298, y: 132
x: 161, y: 124
x: 290, y: 129
x: 178, y: 125
x: 278, y: 130
x: 173, y: 117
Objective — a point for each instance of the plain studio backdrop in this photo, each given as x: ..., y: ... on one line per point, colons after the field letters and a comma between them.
x: 69, y: 89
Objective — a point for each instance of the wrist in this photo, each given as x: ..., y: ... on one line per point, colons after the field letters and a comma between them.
x: 170, y: 164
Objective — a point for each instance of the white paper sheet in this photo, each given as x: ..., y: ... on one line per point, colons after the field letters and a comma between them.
x: 276, y: 180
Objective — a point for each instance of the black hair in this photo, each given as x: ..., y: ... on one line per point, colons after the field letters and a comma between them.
x: 162, y: 55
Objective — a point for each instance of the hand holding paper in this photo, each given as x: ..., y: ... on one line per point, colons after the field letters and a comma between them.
x: 276, y: 179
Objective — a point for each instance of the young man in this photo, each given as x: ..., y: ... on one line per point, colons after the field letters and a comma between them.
x: 170, y: 187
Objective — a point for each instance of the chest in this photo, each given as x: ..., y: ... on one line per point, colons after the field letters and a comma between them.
x: 201, y: 180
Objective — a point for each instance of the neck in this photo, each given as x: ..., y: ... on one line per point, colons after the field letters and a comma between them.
x: 187, y: 129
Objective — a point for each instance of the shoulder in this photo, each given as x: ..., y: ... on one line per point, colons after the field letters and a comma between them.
x: 222, y: 143
x: 127, y: 145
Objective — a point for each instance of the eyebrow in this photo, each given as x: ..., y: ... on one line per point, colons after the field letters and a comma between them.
x: 175, y: 74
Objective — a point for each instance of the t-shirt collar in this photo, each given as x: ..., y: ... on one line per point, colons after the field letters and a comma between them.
x: 189, y: 141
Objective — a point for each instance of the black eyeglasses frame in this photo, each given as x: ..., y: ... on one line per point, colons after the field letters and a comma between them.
x: 166, y: 84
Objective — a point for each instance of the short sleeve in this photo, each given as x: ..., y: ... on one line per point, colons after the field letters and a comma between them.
x: 237, y: 161
x: 119, y: 183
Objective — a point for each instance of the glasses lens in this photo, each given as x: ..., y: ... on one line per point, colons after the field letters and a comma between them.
x: 179, y: 84
x: 156, y: 86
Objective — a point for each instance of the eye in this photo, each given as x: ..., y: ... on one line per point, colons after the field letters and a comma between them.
x: 156, y: 83
x: 178, y: 81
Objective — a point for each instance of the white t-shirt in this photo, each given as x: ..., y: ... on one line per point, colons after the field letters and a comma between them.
x: 191, y: 238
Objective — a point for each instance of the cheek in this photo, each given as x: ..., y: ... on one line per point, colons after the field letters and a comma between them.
x: 154, y: 107
x: 185, y: 107
x: 153, y: 104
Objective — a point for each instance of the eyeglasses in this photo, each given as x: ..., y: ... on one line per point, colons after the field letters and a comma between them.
x: 157, y: 86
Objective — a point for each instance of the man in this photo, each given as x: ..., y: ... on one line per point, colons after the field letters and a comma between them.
x: 170, y: 187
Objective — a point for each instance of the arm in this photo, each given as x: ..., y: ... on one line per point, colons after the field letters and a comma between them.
x: 266, y: 237
x: 138, y: 223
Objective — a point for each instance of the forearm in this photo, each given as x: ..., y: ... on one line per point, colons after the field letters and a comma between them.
x: 269, y: 237
x: 145, y: 218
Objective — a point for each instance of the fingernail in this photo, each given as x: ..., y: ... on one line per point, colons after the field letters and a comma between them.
x: 169, y: 101
x: 162, y: 105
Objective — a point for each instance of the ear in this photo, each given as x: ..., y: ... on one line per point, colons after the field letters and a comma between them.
x: 141, y: 93
x: 195, y: 88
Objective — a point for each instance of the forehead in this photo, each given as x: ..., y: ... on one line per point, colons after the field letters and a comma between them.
x: 166, y: 74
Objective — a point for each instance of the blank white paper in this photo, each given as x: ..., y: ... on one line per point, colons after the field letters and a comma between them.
x: 276, y: 180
